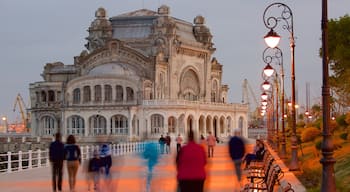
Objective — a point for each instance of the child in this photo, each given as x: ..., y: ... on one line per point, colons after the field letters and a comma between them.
x: 94, y: 168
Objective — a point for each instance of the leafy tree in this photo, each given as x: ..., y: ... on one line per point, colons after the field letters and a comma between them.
x: 339, y: 58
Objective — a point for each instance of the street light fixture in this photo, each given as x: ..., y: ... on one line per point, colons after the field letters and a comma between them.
x: 272, y: 39
x: 271, y: 22
x: 275, y: 56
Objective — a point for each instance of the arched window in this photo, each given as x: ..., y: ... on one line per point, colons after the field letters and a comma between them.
x: 108, y: 93
x: 75, y: 125
x: 98, y: 93
x: 171, y: 124
x: 157, y: 123
x: 119, y: 93
x: 119, y: 125
x: 51, y: 96
x: 48, y: 124
x: 129, y: 94
x: 98, y: 124
x: 76, y: 96
x: 87, y: 94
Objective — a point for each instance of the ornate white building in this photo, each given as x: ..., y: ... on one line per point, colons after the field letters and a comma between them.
x: 144, y: 73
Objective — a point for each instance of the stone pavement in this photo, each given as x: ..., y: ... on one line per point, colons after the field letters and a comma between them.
x: 129, y: 175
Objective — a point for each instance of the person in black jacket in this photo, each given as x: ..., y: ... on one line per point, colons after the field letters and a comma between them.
x: 237, y: 151
x: 56, y: 154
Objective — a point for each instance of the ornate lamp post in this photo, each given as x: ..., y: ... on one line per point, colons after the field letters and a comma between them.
x: 272, y: 39
x: 328, y: 178
x: 275, y: 56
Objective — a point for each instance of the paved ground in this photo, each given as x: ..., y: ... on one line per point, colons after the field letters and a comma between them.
x: 129, y: 173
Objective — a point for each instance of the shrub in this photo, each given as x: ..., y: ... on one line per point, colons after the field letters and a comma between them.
x: 318, y: 144
x: 344, y: 136
x: 309, y: 134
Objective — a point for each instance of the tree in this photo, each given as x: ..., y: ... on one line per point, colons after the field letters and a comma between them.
x: 339, y: 58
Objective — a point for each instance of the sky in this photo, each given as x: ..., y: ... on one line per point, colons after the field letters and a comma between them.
x: 37, y: 32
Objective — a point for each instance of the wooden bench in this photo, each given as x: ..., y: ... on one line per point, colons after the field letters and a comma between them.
x: 258, y: 172
x: 268, y: 182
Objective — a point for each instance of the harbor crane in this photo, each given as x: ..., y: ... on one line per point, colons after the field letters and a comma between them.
x: 25, y: 116
x: 248, y: 97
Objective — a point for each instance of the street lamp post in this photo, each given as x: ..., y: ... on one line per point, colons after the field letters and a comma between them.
x: 328, y: 178
x: 275, y: 56
x: 271, y: 22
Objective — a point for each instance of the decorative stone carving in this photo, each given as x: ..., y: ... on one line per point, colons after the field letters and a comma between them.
x: 100, y: 31
x: 201, y: 32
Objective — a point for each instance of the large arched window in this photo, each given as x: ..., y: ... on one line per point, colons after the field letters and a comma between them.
x: 119, y: 93
x: 108, y: 93
x: 189, y: 85
x: 157, y: 123
x: 98, y: 93
x: 98, y: 124
x: 119, y: 125
x: 87, y: 94
x: 75, y: 125
x: 76, y: 96
x: 129, y: 94
x: 48, y: 125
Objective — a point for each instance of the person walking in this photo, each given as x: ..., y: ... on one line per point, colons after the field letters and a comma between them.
x: 190, y: 163
x: 56, y: 155
x: 93, y: 171
x: 73, y: 157
x: 167, y: 142
x: 106, y: 159
x: 211, y: 141
x: 161, y: 143
x: 237, y: 151
x: 178, y: 143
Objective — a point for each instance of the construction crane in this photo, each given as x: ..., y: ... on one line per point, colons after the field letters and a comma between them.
x: 25, y: 116
x: 247, y: 95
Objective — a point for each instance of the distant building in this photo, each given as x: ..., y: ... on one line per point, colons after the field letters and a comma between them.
x: 144, y: 73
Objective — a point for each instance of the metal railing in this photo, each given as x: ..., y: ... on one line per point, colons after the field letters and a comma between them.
x: 18, y: 161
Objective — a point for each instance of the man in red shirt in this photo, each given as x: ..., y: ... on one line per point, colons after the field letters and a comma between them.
x: 191, y: 161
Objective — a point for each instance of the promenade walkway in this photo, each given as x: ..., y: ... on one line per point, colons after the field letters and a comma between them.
x: 129, y: 175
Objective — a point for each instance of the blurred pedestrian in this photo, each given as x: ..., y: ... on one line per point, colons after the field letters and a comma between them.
x: 161, y: 143
x: 73, y: 157
x: 93, y: 171
x: 211, y: 141
x: 106, y: 159
x: 167, y: 142
x: 237, y: 151
x: 151, y: 155
x: 56, y: 154
x: 190, y: 164
x: 178, y: 143
x: 203, y: 141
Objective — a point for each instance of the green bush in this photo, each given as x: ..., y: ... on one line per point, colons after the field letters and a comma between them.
x: 344, y: 136
x: 318, y: 144
x: 309, y: 134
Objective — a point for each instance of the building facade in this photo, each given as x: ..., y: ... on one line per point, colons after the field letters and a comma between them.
x: 143, y: 73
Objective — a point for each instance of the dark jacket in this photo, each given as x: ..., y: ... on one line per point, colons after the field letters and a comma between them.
x: 94, y: 165
x: 72, y: 152
x: 236, y: 148
x: 56, y: 151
